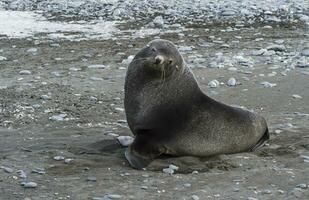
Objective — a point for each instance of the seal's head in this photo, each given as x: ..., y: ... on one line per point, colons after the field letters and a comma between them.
x: 161, y: 56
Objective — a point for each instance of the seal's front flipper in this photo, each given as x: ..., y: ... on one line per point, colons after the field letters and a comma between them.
x: 136, y: 161
x: 261, y: 142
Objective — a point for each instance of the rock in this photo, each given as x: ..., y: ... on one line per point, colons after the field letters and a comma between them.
x: 213, y: 83
x: 68, y: 160
x: 296, y: 192
x: 91, y: 178
x: 174, y: 167
x: 2, y: 58
x: 75, y: 69
x: 7, y: 169
x: 58, y: 158
x: 32, y: 50
x: 232, y: 69
x: 168, y: 171
x: 296, y: 96
x: 128, y: 60
x: 258, y: 52
x: 195, y: 197
x: 231, y: 82
x: 22, y: 174
x: 25, y: 72
x: 29, y: 184
x: 302, y: 65
x: 119, y: 109
x: 125, y: 140
x: 96, y: 67
x: 158, y: 22
x: 276, y: 47
x: 268, y: 85
x: 45, y: 97
x: 187, y: 184
x: 251, y: 198
x: 302, y: 186
x: 96, y: 78
x: 58, y: 118
x: 304, y: 52
x: 39, y: 171
x: 113, y: 196
x: 266, y: 191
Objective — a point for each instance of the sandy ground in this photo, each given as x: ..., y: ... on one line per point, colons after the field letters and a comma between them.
x: 91, y: 100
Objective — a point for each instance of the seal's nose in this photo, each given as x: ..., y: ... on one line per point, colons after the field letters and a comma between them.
x: 159, y: 59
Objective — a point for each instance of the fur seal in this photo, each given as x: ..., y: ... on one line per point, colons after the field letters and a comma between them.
x: 170, y: 115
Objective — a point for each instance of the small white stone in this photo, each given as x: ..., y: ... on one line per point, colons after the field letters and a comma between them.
x: 232, y: 69
x: 113, y: 196
x: 268, y: 84
x: 213, y: 83
x: 68, y: 160
x: 7, y: 169
x: 173, y: 167
x: 119, y: 109
x: 168, y: 171
x: 187, y: 184
x: 125, y: 140
x: 96, y: 78
x: 195, y: 197
x: 45, y: 97
x: 96, y: 66
x: 32, y: 50
x: 231, y: 82
x: 2, y: 58
x: 296, y: 96
x: 128, y: 60
x: 29, y: 185
x: 75, y: 69
x: 59, y: 117
x: 58, y: 158
x: 25, y: 72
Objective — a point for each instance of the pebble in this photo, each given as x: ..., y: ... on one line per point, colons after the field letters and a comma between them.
x: 195, y: 197
x: 302, y: 186
x: 231, y: 82
x: 91, y: 178
x: 158, y: 22
x: 58, y: 158
x: 119, y: 109
x: 39, y: 171
x: 125, y: 140
x: 213, y: 83
x: 96, y: 66
x: 45, y: 97
x: 168, y: 171
x: 268, y: 84
x: 113, y: 196
x: 232, y: 69
x: 187, y: 184
x: 75, y: 69
x: 22, y: 174
x: 251, y: 198
x: 32, y: 50
x: 7, y: 169
x: 128, y: 60
x: 25, y: 72
x: 296, y: 96
x: 2, y: 58
x: 276, y: 47
x: 58, y: 118
x: 266, y: 191
x: 29, y: 184
x: 174, y: 167
x: 305, y: 52
x: 258, y: 52
x: 96, y: 78
x: 68, y: 160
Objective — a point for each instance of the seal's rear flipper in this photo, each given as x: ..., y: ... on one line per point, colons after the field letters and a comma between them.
x: 261, y: 142
x: 135, y: 161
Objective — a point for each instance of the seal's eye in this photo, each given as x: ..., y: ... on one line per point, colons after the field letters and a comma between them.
x: 170, y: 62
x: 153, y: 49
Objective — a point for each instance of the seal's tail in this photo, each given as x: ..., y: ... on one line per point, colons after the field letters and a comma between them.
x: 261, y: 142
